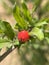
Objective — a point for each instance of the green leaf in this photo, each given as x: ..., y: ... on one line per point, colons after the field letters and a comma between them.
x: 27, y: 14
x: 16, y: 42
x: 5, y: 43
x: 7, y: 29
x: 18, y: 17
x: 41, y: 23
x: 37, y: 32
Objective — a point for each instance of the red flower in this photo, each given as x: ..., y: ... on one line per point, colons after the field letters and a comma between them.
x: 23, y: 36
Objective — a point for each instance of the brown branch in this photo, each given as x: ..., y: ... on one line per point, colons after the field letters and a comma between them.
x: 6, y: 53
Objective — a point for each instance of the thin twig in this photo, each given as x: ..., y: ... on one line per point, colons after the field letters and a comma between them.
x: 2, y: 57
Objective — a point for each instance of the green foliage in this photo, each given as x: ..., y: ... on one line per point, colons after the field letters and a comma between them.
x: 5, y: 43
x: 38, y: 30
x: 17, y: 15
x: 24, y: 21
x: 16, y: 42
x: 7, y: 29
x: 38, y: 33
x: 41, y: 23
x: 27, y: 14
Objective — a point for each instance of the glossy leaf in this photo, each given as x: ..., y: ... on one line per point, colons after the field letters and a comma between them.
x: 5, y: 43
x: 7, y: 29
x: 17, y: 15
x: 26, y: 13
x: 38, y: 33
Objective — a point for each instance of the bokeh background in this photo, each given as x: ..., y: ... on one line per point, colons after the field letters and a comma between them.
x: 26, y: 55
